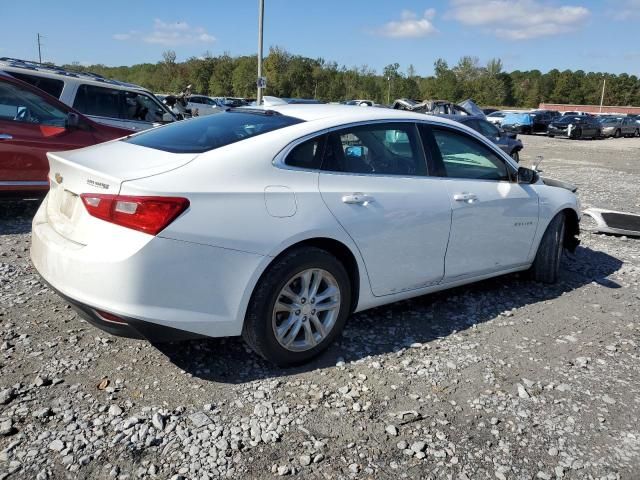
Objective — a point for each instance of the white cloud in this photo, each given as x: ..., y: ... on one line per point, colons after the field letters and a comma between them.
x: 519, y: 19
x: 624, y: 9
x: 169, y: 34
x: 409, y: 25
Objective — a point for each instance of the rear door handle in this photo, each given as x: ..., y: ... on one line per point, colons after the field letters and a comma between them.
x: 357, y: 199
x: 5, y: 136
x: 465, y: 197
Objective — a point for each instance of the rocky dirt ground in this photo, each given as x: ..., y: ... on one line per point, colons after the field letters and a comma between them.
x: 504, y: 379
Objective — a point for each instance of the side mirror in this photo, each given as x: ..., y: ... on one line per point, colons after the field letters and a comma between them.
x: 73, y: 121
x: 527, y: 176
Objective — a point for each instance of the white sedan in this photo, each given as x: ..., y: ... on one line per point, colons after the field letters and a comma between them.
x: 278, y: 224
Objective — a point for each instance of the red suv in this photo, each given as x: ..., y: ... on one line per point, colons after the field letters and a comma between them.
x: 33, y: 123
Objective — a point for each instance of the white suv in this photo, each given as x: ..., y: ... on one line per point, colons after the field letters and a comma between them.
x: 106, y: 101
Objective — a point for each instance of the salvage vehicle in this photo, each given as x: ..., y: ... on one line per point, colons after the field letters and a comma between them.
x: 506, y: 141
x: 33, y: 123
x: 577, y: 127
x: 106, y: 101
x: 619, y: 127
x: 442, y: 107
x: 527, y: 123
x: 278, y: 223
x: 496, y: 117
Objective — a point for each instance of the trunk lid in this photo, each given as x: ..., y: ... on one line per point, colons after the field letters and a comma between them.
x: 97, y: 169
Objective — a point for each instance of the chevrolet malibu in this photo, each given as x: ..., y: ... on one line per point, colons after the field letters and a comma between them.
x: 277, y: 224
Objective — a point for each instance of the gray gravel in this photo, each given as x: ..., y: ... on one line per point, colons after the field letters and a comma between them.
x: 504, y: 379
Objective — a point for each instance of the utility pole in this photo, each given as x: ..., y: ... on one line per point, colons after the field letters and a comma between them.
x: 260, y: 25
x: 388, y: 89
x: 39, y: 49
x: 604, y: 82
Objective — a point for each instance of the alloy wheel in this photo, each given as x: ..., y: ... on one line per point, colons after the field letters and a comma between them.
x: 306, y: 310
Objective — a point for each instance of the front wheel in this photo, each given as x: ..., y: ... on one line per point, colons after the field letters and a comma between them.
x: 546, y: 265
x: 299, y: 306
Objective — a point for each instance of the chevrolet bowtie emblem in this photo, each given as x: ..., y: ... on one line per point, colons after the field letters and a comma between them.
x: 58, y: 178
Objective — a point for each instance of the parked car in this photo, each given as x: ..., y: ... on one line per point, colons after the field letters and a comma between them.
x: 360, y: 103
x: 106, y: 101
x: 33, y: 123
x: 277, y: 224
x: 576, y: 114
x: 619, y: 127
x: 496, y: 117
x: 506, y: 141
x: 203, y: 105
x: 435, y: 107
x: 576, y: 127
x: 527, y: 122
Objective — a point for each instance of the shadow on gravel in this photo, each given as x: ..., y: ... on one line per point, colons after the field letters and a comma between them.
x: 16, y: 216
x: 396, y: 326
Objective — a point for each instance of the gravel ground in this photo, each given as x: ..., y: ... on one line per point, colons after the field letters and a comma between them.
x: 504, y: 379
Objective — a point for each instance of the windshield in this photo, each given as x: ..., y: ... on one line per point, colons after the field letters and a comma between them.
x: 206, y: 133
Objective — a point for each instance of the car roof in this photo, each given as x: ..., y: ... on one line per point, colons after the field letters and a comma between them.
x: 347, y: 114
x: 53, y: 71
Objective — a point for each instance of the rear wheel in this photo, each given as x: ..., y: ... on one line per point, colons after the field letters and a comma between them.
x: 546, y: 265
x: 618, y: 134
x: 299, y: 306
x: 637, y: 133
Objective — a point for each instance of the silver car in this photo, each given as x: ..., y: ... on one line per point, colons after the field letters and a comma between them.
x: 619, y: 127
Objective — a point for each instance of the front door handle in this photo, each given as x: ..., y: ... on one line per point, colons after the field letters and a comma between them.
x: 5, y: 136
x: 357, y: 199
x: 465, y: 197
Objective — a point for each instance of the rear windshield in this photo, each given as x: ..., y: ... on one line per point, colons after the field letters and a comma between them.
x: 212, y: 131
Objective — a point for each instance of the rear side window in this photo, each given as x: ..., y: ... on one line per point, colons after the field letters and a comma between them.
x: 380, y: 149
x: 307, y: 154
x: 50, y: 85
x: 206, y: 133
x: 99, y: 101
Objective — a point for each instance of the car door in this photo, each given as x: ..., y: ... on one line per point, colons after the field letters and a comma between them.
x: 494, y: 219
x: 374, y: 181
x: 30, y: 126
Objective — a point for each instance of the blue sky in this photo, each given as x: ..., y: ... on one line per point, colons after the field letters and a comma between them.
x: 525, y: 34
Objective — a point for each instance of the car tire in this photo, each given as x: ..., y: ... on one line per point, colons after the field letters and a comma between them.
x: 550, y: 135
x: 636, y: 133
x: 618, y: 134
x: 516, y: 156
x: 546, y: 266
x: 261, y: 319
x: 577, y: 134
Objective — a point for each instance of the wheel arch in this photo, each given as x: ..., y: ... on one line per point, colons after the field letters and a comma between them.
x: 339, y: 250
x: 572, y: 229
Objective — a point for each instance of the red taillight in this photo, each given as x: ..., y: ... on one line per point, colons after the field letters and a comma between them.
x: 146, y: 214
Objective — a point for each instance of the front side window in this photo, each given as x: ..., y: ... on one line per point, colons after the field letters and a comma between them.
x: 382, y: 149
x: 464, y: 157
x: 142, y: 108
x: 21, y: 105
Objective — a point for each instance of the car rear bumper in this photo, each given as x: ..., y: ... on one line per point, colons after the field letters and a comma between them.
x: 155, y: 283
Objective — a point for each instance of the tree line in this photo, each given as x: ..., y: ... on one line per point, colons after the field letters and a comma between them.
x: 290, y: 75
